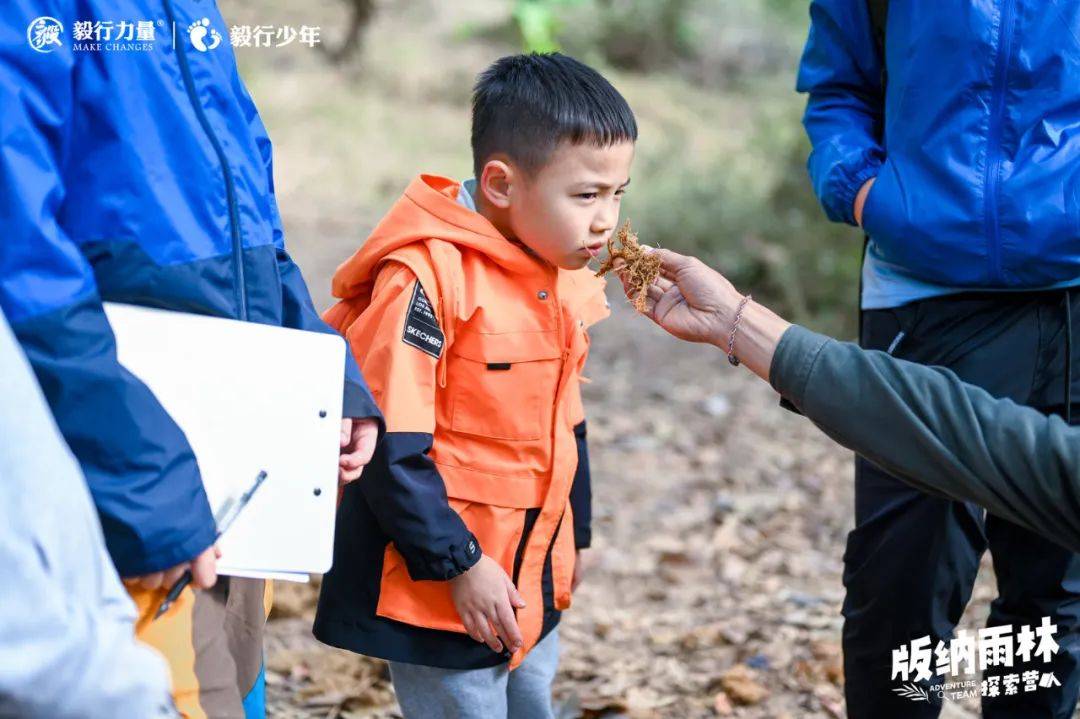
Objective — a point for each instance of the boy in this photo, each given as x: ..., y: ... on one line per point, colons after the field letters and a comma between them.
x: 469, y: 306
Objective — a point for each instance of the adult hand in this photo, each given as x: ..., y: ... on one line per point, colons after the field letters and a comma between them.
x: 357, y: 446
x: 690, y: 300
x: 860, y: 199
x: 485, y: 598
x: 203, y: 572
x: 696, y: 303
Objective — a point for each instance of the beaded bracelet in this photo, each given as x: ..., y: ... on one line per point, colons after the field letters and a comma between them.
x: 734, y: 330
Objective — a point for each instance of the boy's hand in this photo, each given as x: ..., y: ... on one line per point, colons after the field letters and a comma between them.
x: 485, y: 599
x: 203, y: 573
x: 357, y: 445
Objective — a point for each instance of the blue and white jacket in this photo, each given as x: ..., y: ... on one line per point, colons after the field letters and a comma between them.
x: 141, y: 176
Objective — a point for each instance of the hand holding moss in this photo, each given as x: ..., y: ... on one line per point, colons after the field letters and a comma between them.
x: 689, y: 299
x: 636, y: 267
x: 694, y: 302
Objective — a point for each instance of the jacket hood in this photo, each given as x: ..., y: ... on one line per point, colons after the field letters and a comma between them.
x: 428, y: 210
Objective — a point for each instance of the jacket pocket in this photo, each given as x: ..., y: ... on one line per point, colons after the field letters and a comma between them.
x: 872, y: 205
x: 894, y: 238
x: 429, y: 603
x: 503, y: 385
x: 885, y: 220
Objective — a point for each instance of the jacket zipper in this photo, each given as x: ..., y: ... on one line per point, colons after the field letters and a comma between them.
x: 239, y: 285
x: 993, y: 166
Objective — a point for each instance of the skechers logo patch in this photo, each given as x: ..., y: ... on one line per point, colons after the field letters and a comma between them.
x: 421, y: 326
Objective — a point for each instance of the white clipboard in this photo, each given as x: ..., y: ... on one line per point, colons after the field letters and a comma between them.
x: 250, y: 397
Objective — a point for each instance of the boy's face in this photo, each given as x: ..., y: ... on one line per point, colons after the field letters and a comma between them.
x: 565, y: 211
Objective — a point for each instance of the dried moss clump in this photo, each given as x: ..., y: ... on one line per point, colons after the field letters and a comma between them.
x: 641, y: 267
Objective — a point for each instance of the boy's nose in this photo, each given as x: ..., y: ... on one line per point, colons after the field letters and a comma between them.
x: 605, y: 222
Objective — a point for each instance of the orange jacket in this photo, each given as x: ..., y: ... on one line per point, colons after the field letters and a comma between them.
x: 473, y: 349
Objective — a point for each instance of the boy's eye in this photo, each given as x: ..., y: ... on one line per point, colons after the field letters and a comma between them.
x: 587, y: 195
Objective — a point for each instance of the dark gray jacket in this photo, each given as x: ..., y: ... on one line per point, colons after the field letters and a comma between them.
x: 925, y: 426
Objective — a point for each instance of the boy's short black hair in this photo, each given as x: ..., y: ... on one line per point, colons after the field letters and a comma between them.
x: 525, y: 105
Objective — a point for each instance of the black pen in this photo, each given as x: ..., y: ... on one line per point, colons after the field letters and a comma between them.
x: 225, y: 517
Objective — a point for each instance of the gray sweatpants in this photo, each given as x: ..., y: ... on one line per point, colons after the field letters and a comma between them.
x: 491, y: 693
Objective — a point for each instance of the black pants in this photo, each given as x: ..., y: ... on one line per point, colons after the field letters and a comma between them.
x: 912, y: 558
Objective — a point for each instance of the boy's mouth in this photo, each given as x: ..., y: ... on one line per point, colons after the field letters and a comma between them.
x: 594, y: 249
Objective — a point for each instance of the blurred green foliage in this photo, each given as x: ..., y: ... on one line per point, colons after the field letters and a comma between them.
x: 539, y: 23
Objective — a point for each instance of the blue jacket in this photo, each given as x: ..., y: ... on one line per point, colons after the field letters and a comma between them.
x: 138, y: 176
x: 974, y: 140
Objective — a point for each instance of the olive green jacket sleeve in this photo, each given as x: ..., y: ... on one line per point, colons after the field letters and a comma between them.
x: 937, y: 433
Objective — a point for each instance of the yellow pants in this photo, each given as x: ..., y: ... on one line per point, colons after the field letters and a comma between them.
x: 212, y: 641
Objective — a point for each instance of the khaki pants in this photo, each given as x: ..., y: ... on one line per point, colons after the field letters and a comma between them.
x: 212, y: 640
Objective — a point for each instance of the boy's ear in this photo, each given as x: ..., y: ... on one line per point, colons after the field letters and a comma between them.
x: 496, y: 183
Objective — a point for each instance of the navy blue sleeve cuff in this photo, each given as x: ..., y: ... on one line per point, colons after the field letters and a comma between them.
x: 460, y: 557
x: 172, y: 555
x: 403, y: 487
x: 463, y: 556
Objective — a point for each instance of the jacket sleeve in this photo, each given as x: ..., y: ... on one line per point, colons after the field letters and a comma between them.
x: 937, y: 433
x: 841, y: 71
x: 581, y: 492
x: 298, y: 310
x: 402, y: 485
x: 138, y: 464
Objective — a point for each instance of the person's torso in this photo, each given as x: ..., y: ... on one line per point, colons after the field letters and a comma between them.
x: 513, y: 366
x: 168, y: 189
x: 981, y: 185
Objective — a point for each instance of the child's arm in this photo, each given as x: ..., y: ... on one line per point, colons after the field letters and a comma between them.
x: 398, y: 342
x: 842, y: 72
x: 581, y: 492
x: 581, y: 502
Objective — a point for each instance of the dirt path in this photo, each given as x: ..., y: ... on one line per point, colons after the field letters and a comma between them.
x: 714, y: 580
